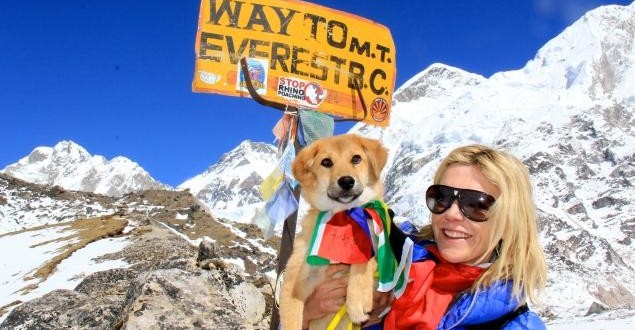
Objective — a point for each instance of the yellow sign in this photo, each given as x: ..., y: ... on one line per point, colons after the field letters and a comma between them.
x: 298, y: 53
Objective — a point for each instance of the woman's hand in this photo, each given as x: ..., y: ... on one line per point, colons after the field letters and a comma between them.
x: 381, y: 305
x: 330, y: 295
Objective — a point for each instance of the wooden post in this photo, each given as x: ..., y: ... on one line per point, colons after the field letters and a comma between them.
x: 289, y: 226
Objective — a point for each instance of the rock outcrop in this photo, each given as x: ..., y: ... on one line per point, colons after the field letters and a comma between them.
x: 169, y: 285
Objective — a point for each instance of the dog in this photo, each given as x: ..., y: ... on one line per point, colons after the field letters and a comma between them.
x: 335, y: 174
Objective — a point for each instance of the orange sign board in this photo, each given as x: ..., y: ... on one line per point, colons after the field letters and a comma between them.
x: 298, y: 53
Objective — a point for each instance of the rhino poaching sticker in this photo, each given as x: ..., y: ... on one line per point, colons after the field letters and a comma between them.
x: 306, y: 93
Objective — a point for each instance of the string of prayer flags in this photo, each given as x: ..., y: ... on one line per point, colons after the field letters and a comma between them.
x: 261, y: 220
x: 277, y: 188
x: 281, y: 128
x: 305, y: 126
x: 282, y: 204
x: 271, y: 183
x: 279, y: 174
x: 314, y: 125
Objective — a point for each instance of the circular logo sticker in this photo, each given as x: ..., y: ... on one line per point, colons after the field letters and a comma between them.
x: 314, y: 93
x: 379, y: 109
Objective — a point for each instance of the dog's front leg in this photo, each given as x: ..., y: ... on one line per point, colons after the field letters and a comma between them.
x: 359, y: 294
x: 295, y: 293
x: 292, y: 309
x: 291, y: 306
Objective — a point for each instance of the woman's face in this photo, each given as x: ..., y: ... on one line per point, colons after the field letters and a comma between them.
x: 459, y: 239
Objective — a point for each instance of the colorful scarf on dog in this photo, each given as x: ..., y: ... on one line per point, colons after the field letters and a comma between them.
x: 347, y: 237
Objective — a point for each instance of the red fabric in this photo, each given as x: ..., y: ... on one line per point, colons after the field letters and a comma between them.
x: 343, y: 241
x: 428, y: 296
x: 376, y: 219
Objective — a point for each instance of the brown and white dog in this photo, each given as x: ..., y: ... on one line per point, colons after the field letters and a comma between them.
x: 335, y: 174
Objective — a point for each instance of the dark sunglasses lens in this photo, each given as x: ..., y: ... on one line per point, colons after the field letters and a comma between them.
x: 439, y: 198
x: 475, y: 205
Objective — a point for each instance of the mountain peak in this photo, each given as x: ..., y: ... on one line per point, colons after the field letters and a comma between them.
x: 588, y: 58
x: 68, y: 145
x: 70, y: 166
x: 437, y: 79
x: 234, y: 180
x: 250, y: 146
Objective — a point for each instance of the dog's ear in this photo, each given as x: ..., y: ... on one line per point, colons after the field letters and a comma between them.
x: 376, y: 154
x: 302, y: 163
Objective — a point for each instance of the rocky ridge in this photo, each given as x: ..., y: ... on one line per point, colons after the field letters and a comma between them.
x: 185, y: 269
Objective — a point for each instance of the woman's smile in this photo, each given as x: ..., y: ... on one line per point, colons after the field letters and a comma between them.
x: 454, y: 234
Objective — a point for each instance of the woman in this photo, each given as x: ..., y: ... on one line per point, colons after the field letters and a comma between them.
x: 479, y: 261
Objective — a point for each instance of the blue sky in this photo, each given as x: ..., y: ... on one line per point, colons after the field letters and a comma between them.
x: 115, y: 76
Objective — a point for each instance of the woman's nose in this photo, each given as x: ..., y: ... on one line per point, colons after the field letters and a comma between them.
x: 454, y: 212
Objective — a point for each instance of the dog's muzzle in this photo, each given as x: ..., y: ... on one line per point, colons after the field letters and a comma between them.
x: 345, y: 191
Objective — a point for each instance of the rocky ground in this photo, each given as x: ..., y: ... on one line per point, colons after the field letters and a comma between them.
x: 170, y: 283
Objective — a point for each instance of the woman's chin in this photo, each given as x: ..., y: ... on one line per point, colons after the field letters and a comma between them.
x: 453, y: 254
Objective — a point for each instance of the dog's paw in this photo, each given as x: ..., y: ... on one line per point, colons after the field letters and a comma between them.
x: 356, y: 313
x: 366, y: 297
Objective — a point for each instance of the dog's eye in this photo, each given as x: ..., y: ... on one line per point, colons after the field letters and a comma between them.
x: 356, y: 159
x: 327, y: 162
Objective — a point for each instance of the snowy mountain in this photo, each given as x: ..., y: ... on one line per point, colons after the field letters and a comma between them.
x: 592, y: 59
x: 70, y: 166
x: 233, y: 182
x: 569, y: 114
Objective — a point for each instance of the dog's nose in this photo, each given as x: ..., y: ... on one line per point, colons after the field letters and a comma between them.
x: 346, y: 182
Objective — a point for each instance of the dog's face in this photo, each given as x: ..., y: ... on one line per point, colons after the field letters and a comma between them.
x: 340, y: 172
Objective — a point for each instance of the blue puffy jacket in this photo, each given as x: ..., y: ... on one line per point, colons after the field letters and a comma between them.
x: 476, y: 311
x: 488, y: 309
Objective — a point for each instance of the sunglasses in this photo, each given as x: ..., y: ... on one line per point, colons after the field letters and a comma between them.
x: 473, y: 204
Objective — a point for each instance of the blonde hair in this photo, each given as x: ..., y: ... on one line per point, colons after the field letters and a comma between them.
x: 514, y: 233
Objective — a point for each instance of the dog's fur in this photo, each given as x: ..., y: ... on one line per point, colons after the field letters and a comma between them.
x: 335, y: 174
